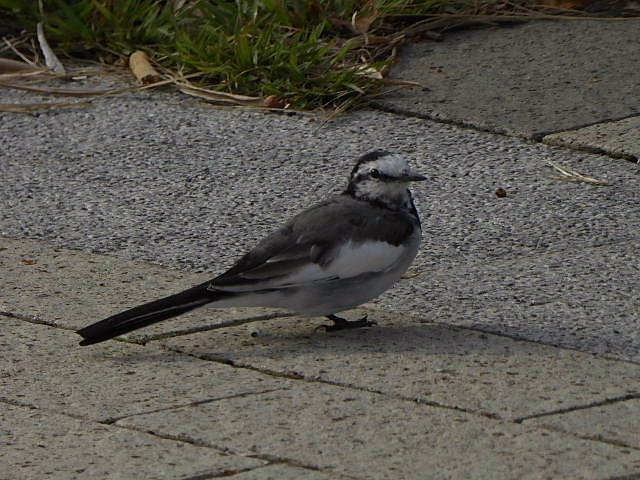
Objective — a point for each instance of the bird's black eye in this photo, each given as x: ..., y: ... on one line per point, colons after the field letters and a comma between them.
x: 374, y: 173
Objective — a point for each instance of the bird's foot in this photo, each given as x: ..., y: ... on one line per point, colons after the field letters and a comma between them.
x: 342, y: 324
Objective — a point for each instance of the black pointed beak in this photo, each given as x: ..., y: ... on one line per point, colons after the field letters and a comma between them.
x: 413, y: 177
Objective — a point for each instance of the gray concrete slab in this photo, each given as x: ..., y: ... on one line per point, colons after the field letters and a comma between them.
x: 618, y: 423
x: 43, y: 367
x: 621, y: 138
x: 67, y: 288
x: 526, y: 80
x: 585, y: 298
x: 181, y: 185
x: 365, y: 435
x: 40, y: 444
x: 236, y: 399
x: 457, y: 368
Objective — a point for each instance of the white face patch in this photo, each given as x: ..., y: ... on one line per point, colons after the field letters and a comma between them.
x: 387, y: 191
x: 391, y: 165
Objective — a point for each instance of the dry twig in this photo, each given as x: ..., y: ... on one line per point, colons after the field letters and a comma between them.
x: 569, y: 175
x: 50, y: 58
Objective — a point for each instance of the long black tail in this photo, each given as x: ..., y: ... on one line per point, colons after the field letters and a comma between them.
x: 149, y: 313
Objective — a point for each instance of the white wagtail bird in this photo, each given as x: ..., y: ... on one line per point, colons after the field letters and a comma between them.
x: 331, y: 257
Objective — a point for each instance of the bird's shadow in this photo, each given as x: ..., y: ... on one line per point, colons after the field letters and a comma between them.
x: 425, y: 339
x: 296, y: 340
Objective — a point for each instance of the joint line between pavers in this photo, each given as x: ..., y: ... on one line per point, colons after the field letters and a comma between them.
x: 175, y: 438
x: 586, y: 148
x: 488, y: 331
x: 203, y: 444
x: 444, y: 121
x: 608, y: 401
x: 112, y: 420
x: 217, y: 326
x: 526, y: 340
x: 591, y: 124
x: 275, y: 460
x: 31, y: 319
x: 591, y: 438
x: 35, y: 320
x: 301, y: 378
x: 538, y: 137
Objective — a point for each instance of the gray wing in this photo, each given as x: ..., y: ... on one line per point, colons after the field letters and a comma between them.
x: 314, y: 237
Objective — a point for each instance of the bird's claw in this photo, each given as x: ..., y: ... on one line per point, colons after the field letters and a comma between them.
x: 342, y: 324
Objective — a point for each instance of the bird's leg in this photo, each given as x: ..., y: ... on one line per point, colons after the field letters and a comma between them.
x: 342, y: 324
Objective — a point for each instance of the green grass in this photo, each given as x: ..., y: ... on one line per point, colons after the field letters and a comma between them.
x: 303, y: 52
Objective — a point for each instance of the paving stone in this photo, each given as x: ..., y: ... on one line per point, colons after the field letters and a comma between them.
x: 44, y: 367
x: 587, y: 297
x: 39, y: 444
x: 527, y: 80
x: 615, y: 138
x: 432, y: 362
x: 617, y: 423
x: 369, y: 436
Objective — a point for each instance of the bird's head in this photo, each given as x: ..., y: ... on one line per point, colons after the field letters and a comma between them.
x: 383, y: 177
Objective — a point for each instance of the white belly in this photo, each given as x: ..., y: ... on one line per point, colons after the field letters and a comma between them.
x: 321, y: 298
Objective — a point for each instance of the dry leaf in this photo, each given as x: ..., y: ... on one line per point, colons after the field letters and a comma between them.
x: 142, y: 69
x: 370, y: 72
x: 24, y: 261
x: 272, y: 101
